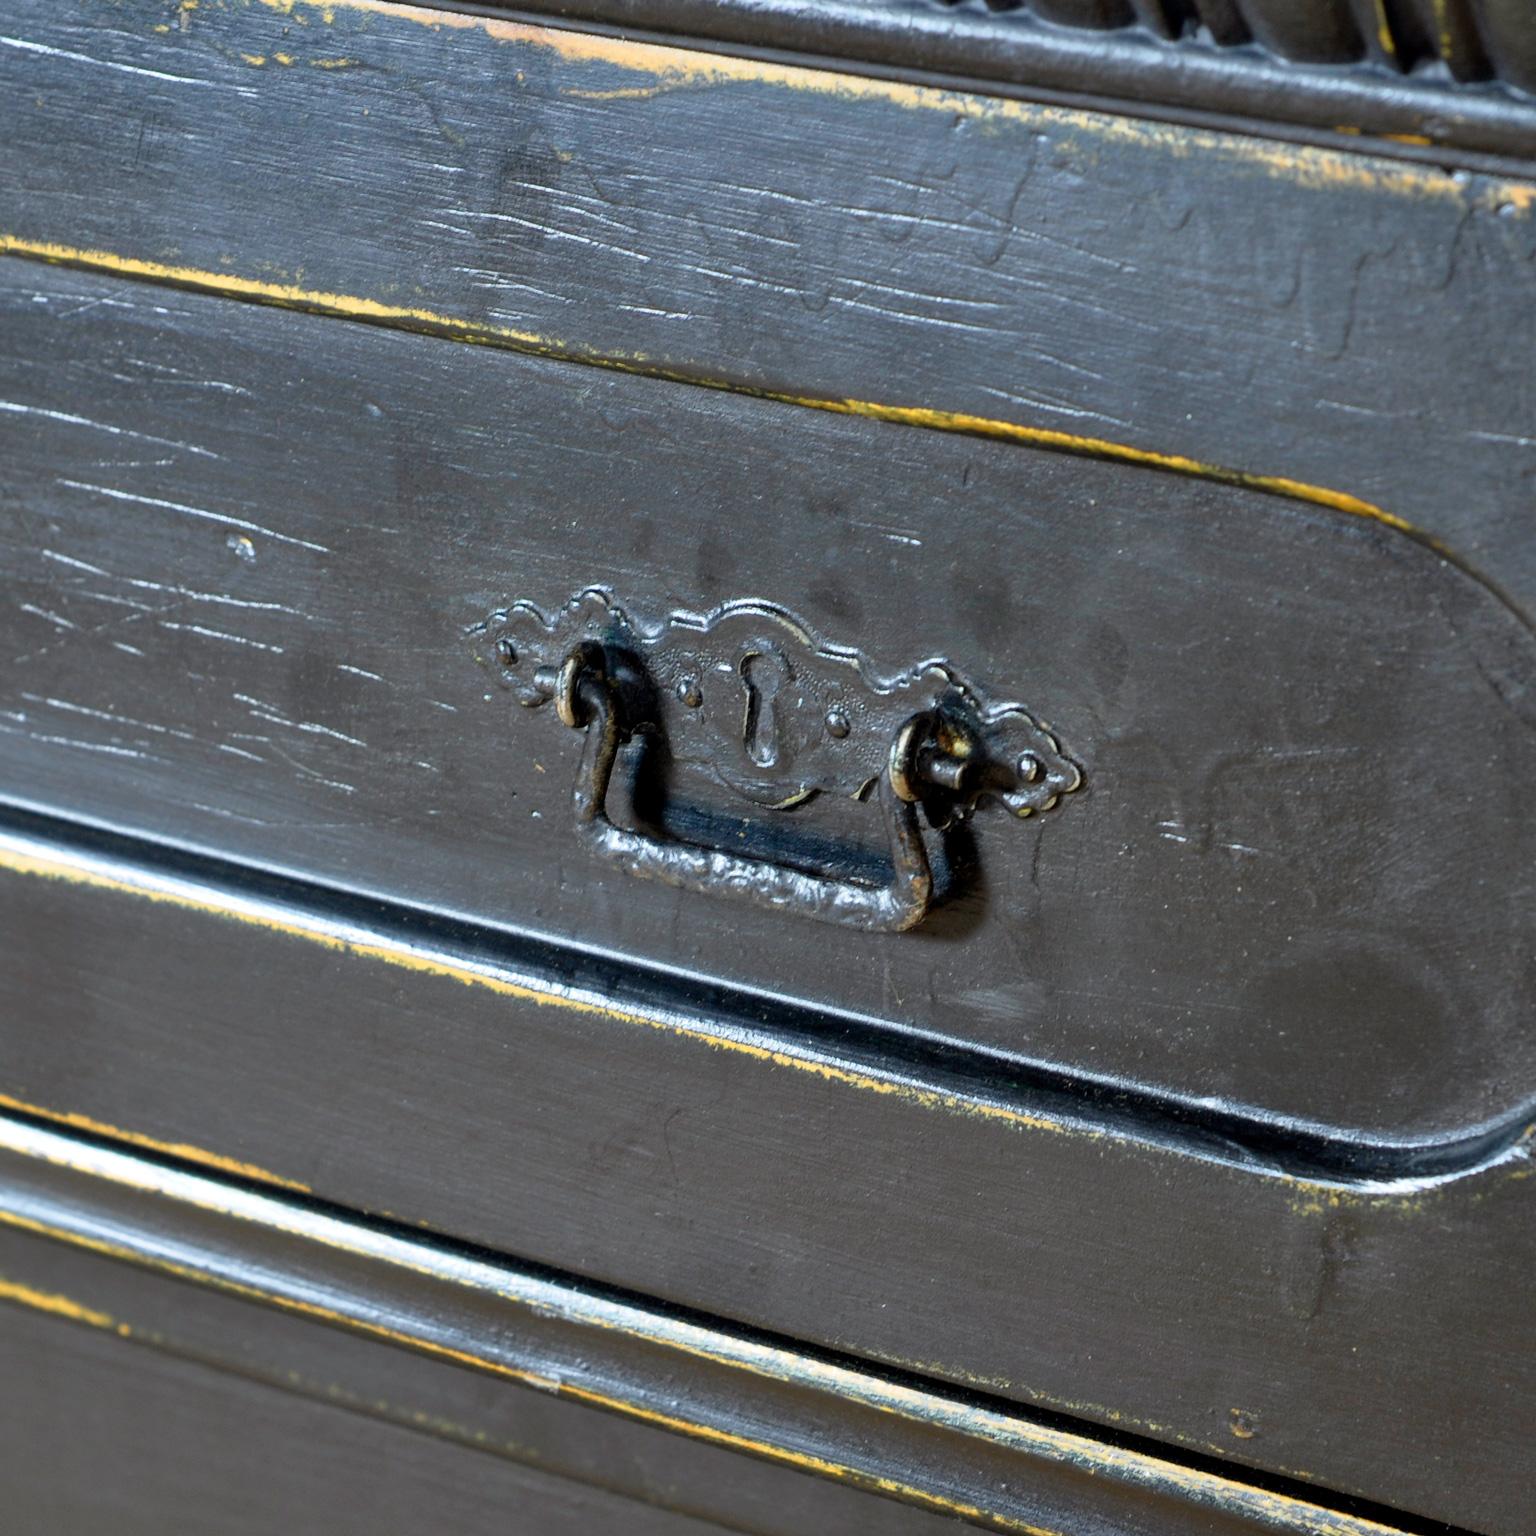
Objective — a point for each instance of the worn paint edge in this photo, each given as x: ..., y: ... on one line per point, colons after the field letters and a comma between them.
x: 343, y: 306
x: 671, y: 66
x: 183, y: 1150
x: 331, y: 1393
x: 31, y: 857
x: 57, y: 1305
x: 569, y: 1304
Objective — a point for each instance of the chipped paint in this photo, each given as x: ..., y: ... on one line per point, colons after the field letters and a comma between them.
x: 55, y: 1305
x: 179, y: 1149
x: 673, y: 68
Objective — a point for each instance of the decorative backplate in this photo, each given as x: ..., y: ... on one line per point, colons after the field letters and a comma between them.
x: 750, y: 696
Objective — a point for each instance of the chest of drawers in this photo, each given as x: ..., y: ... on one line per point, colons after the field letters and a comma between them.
x: 771, y: 774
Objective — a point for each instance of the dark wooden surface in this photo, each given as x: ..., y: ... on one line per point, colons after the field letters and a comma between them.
x: 98, y: 1439
x: 1239, y: 1312
x: 1344, y: 319
x: 257, y: 1275
x: 1196, y: 1113
x: 506, y: 1458
x: 240, y: 591
x: 1300, y: 84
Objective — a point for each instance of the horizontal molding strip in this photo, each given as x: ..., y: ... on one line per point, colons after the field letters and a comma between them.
x: 901, y: 1438
x: 1416, y: 95
x: 872, y: 1056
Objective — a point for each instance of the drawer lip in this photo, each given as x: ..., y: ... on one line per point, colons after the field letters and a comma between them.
x: 1010, y: 50
x: 953, y: 1453
x: 952, y: 1077
x: 765, y: 1185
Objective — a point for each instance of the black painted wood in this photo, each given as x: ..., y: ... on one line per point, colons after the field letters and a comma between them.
x: 98, y: 1439
x: 1420, y: 114
x: 930, y: 1453
x: 1338, y: 318
x: 241, y: 597
x: 1323, y: 1330
x: 612, y: 1467
x: 1358, y: 321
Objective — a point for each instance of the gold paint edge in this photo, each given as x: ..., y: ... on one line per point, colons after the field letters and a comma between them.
x: 183, y: 1150
x: 231, y: 285
x: 672, y: 66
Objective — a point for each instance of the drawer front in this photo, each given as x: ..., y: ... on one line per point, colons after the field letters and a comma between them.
x: 259, y: 582
x: 1258, y: 906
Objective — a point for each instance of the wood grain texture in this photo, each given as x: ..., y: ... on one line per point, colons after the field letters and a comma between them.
x: 1312, y: 1329
x: 242, y: 607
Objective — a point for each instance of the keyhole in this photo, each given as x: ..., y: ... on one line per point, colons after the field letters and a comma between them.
x: 762, y: 674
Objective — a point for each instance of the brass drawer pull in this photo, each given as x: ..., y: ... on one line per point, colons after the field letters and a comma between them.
x: 748, y: 696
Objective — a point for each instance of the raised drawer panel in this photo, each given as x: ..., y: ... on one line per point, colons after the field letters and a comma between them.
x: 1151, y: 1281
x: 257, y: 616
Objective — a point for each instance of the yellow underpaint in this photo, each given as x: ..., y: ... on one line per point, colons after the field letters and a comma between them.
x: 352, y: 307
x: 55, y: 1305
x: 670, y: 68
x: 1384, y: 39
x: 179, y: 1149
x: 909, y: 1493
x: 1443, y: 29
x: 1102, y: 448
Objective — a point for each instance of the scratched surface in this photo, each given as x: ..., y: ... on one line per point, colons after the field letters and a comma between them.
x: 243, y: 545
x: 238, y: 598
x: 1337, y: 319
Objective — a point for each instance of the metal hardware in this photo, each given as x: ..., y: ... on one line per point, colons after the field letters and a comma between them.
x: 749, y: 696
